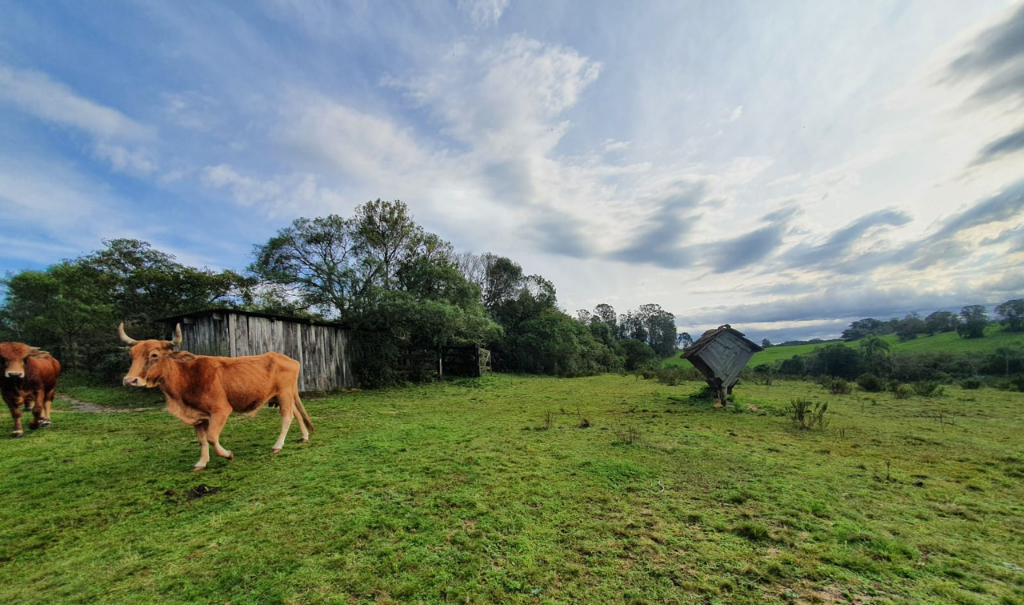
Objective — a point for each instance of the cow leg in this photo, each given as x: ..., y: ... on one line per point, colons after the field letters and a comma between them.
x: 37, y: 411
x: 49, y: 404
x: 204, y: 446
x: 287, y: 411
x: 44, y: 408
x: 300, y: 418
x: 213, y: 434
x: 16, y: 414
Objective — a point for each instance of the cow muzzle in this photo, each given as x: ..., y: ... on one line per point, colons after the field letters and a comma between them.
x: 133, y: 381
x: 14, y: 374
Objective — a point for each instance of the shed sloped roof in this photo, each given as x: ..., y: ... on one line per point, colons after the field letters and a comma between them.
x: 212, y: 310
x: 709, y: 336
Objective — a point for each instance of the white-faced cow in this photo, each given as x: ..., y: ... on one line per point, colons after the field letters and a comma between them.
x: 203, y: 391
x: 29, y: 377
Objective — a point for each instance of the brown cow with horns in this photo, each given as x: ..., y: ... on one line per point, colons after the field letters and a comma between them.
x: 203, y: 391
x: 29, y: 377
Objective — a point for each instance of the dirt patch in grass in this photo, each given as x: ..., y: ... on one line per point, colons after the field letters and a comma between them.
x: 92, y: 408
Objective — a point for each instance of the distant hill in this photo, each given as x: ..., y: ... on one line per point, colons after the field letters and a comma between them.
x: 994, y: 338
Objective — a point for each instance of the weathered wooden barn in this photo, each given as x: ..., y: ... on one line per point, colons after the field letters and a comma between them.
x: 320, y: 347
x: 721, y: 354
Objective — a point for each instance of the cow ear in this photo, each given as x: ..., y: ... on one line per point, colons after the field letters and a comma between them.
x: 37, y: 353
x: 183, y: 356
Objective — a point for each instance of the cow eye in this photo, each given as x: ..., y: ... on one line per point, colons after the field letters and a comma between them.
x: 154, y: 355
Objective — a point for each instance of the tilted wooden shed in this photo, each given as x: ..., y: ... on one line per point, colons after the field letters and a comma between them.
x: 721, y: 354
x: 320, y: 347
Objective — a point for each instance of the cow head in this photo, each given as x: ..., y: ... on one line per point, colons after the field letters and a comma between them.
x: 12, y: 358
x: 148, y: 357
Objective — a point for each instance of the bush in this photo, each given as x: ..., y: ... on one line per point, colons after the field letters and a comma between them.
x: 807, y: 415
x: 928, y: 388
x: 839, y: 386
x: 971, y: 383
x: 870, y: 383
x: 674, y: 375
x: 901, y: 391
x: 1010, y: 384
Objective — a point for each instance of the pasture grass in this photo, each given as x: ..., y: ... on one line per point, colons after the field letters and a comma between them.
x: 487, y: 491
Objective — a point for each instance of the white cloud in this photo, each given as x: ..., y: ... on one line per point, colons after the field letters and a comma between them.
x: 55, y: 200
x: 365, y: 146
x: 735, y: 114
x: 483, y: 13
x: 784, y: 180
x: 613, y: 145
x: 505, y: 99
x: 278, y: 195
x: 121, y: 159
x: 191, y: 110
x: 35, y: 93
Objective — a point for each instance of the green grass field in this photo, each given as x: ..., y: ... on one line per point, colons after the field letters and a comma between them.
x: 487, y: 491
x: 994, y: 338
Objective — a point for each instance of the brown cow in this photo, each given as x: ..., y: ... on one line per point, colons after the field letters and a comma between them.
x: 203, y: 391
x: 29, y: 376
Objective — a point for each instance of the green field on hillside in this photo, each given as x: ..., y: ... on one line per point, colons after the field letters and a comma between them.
x: 489, y: 491
x: 994, y: 338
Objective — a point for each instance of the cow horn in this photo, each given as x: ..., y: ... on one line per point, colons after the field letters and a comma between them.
x: 124, y: 337
x: 177, y: 335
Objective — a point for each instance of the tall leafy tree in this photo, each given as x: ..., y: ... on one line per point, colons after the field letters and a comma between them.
x: 400, y: 288
x: 605, y: 313
x: 318, y: 261
x: 940, y: 321
x: 388, y: 237
x: 973, y: 320
x: 1012, y: 314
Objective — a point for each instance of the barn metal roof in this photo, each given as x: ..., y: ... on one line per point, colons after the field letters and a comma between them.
x: 211, y: 310
x: 709, y: 336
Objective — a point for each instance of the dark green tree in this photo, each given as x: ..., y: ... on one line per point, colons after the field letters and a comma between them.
x: 973, y: 320
x: 940, y: 321
x: 1012, y: 314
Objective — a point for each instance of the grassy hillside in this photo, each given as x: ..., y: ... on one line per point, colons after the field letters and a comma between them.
x: 994, y: 338
x: 488, y: 491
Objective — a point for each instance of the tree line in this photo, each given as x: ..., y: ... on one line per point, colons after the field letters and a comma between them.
x: 401, y: 291
x: 969, y: 323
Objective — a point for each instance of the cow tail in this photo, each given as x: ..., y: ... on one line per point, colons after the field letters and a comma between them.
x: 302, y: 411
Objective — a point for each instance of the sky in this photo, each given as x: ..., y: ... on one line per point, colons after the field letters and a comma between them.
x: 785, y: 167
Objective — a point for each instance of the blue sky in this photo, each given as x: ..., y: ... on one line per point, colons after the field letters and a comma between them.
x: 784, y: 167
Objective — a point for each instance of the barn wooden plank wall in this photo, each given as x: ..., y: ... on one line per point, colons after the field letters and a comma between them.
x: 727, y: 355
x: 320, y: 349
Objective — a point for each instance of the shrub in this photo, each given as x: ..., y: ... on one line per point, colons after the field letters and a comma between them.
x: 971, y: 383
x: 840, y: 387
x: 674, y: 375
x: 807, y: 415
x: 901, y: 391
x: 705, y: 393
x: 927, y: 388
x: 870, y: 383
x: 1005, y: 384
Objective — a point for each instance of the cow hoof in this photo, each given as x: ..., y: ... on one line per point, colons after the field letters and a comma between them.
x: 230, y: 456
x: 16, y: 435
x: 304, y: 440
x: 197, y: 468
x: 276, y: 450
x: 44, y: 423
